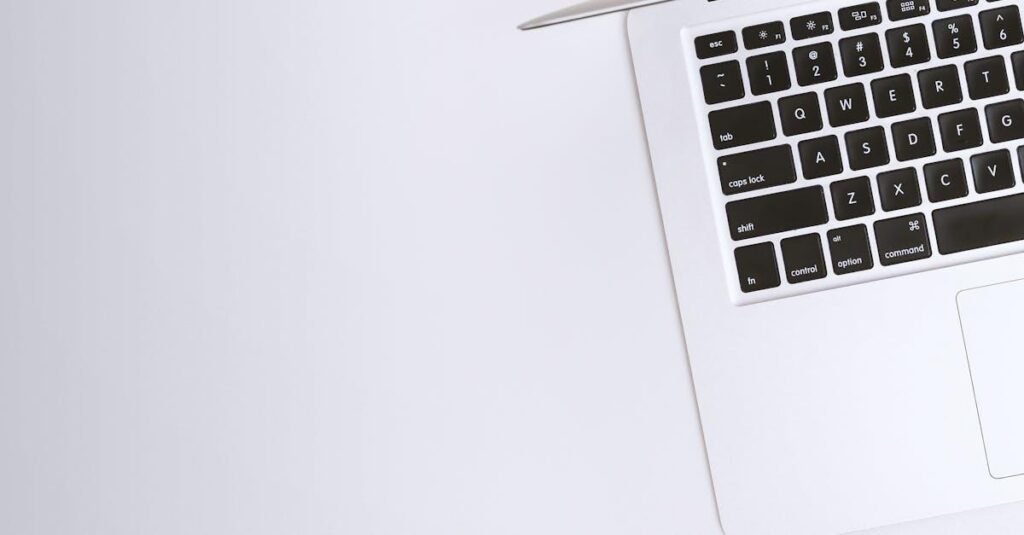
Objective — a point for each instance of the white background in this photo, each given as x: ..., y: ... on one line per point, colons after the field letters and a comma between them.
x: 327, y: 267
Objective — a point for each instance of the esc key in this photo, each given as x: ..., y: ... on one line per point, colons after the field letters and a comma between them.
x: 715, y: 44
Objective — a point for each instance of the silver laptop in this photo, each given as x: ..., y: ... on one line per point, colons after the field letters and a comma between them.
x: 842, y: 196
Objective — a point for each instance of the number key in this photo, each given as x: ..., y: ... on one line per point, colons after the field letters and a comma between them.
x: 908, y: 45
x: 954, y: 36
x: 814, y: 64
x: 1001, y: 27
x: 861, y: 54
x: 768, y: 73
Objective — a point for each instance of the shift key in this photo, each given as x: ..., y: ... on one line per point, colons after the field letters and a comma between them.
x: 778, y: 212
x: 756, y: 169
x: 742, y: 125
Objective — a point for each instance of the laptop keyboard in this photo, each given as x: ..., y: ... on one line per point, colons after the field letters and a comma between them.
x: 853, y: 142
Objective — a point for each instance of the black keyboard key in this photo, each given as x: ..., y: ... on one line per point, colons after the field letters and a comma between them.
x: 899, y: 189
x: 980, y: 224
x: 850, y: 249
x: 907, y: 9
x: 762, y: 35
x: 893, y: 95
x: 1018, y: 69
x: 852, y: 198
x: 986, y: 77
x: 820, y: 157
x: 800, y: 114
x: 1001, y: 27
x: 803, y: 258
x: 908, y: 45
x: 861, y: 55
x: 768, y: 73
x: 778, y: 212
x: 947, y: 5
x: 992, y: 171
x: 756, y: 169
x: 960, y: 130
x: 902, y: 239
x: 945, y: 180
x: 913, y: 139
x: 867, y: 148
x: 846, y: 105
x: 757, y: 267
x: 742, y: 125
x: 716, y: 44
x: 940, y: 87
x: 1005, y: 120
x: 813, y: 25
x: 722, y: 82
x: 860, y: 16
x: 954, y: 36
x: 814, y: 64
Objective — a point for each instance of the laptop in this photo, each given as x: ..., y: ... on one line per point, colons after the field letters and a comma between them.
x: 841, y: 190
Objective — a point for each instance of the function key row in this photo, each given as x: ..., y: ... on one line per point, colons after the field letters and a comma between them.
x: 1000, y: 27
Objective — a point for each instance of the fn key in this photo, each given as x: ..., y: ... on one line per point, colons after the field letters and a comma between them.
x: 758, y: 269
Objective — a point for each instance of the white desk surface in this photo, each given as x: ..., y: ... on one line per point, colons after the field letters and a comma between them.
x: 457, y: 316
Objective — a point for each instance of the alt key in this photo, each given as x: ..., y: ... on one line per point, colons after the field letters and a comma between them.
x: 850, y: 249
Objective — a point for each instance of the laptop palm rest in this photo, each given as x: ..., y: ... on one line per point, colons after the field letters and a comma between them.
x: 993, y: 330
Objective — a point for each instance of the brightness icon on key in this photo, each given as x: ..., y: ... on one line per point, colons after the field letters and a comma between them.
x: 811, y: 25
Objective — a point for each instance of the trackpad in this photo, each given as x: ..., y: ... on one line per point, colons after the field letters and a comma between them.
x: 993, y: 328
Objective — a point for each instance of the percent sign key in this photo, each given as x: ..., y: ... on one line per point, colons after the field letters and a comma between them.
x: 954, y: 37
